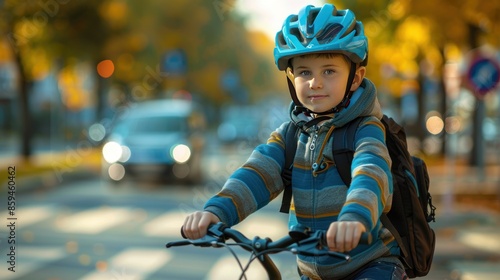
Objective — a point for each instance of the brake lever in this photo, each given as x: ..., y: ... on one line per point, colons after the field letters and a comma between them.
x: 217, y: 230
x: 213, y: 237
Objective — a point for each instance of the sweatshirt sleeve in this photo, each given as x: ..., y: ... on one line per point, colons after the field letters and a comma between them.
x: 370, y: 193
x: 253, y: 185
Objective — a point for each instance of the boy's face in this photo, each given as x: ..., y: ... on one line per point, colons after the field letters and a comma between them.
x: 320, y: 80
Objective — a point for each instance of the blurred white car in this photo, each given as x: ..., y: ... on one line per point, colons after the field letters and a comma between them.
x: 155, y: 140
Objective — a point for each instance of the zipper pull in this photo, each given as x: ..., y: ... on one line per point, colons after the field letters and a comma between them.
x: 313, y: 142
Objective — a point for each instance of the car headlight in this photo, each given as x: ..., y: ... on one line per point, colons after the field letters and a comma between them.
x: 181, y: 153
x: 126, y: 153
x: 112, y: 152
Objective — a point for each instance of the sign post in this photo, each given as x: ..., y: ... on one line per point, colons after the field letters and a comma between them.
x: 481, y: 77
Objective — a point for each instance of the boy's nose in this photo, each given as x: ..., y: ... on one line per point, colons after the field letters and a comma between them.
x: 315, y: 83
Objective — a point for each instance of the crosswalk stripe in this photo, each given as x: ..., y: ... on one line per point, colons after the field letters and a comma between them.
x: 31, y: 258
x: 226, y: 268
x: 165, y: 225
x: 94, y: 220
x: 169, y: 225
x: 272, y: 226
x: 132, y: 263
x: 29, y: 215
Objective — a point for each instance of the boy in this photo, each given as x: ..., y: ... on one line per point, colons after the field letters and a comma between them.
x: 324, y: 53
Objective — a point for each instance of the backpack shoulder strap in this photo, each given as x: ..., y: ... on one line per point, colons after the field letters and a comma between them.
x: 291, y: 138
x: 343, y: 152
x: 390, y: 226
x: 343, y: 148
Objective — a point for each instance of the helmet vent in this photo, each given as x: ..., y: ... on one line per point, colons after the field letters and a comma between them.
x: 352, y: 27
x: 329, y: 33
x: 281, y: 41
x: 295, y: 32
x: 310, y: 21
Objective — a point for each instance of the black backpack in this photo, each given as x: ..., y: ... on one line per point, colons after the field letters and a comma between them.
x: 412, y: 209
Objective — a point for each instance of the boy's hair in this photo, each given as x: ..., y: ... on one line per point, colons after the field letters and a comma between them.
x: 321, y: 55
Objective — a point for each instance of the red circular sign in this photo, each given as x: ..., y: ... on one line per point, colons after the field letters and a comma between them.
x: 483, y: 75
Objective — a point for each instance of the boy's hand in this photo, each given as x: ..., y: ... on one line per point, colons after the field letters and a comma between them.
x: 344, y: 236
x: 196, y: 224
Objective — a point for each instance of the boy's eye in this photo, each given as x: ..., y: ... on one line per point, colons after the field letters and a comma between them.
x: 305, y: 73
x: 329, y: 71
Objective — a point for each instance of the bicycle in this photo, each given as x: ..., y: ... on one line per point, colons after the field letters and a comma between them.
x: 300, y: 240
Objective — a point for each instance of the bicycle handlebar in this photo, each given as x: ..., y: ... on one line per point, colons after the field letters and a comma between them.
x: 300, y: 240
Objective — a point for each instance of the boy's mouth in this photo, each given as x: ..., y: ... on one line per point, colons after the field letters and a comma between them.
x: 317, y: 97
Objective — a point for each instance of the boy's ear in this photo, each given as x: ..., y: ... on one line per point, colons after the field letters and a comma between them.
x: 358, y: 77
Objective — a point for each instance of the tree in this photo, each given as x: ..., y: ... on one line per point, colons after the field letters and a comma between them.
x: 20, y: 24
x: 411, y: 34
x: 40, y: 33
x: 54, y: 34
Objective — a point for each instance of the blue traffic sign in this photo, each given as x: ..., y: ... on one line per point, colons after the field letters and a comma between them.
x: 483, y: 75
x: 174, y: 63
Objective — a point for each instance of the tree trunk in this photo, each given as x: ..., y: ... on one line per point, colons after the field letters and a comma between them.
x: 444, y: 100
x: 102, y: 86
x: 25, y: 114
x: 477, y: 153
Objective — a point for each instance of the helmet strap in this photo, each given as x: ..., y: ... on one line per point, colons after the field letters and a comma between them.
x: 293, y: 93
x: 348, y: 93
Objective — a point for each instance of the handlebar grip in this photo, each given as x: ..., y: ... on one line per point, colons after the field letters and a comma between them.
x: 178, y: 243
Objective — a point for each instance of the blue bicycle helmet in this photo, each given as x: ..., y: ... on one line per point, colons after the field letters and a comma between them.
x: 320, y: 30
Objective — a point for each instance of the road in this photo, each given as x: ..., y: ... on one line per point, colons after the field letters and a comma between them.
x: 90, y: 230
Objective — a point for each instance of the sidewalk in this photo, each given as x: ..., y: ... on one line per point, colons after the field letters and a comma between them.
x: 455, y: 182
x: 468, y: 221
x: 458, y: 177
x: 52, y: 169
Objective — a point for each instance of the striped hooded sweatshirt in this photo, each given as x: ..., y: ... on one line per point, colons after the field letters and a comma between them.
x: 321, y: 197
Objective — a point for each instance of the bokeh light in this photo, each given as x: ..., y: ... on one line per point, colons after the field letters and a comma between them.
x: 434, y: 123
x: 116, y: 171
x: 453, y: 125
x: 72, y: 247
x: 105, y: 68
x: 112, y: 152
x: 97, y: 132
